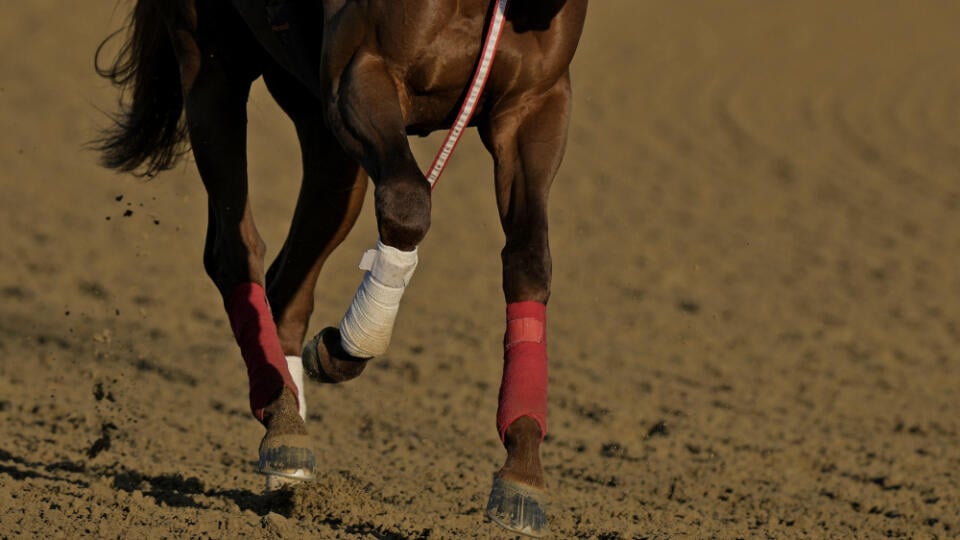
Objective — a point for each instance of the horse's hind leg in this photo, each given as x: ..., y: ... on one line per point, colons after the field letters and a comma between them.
x: 527, y: 138
x: 216, y: 85
x: 331, y: 196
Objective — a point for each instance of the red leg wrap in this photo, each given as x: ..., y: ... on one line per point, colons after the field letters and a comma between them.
x: 256, y: 334
x: 523, y: 390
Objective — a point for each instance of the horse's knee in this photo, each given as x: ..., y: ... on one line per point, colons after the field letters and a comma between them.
x: 403, y: 211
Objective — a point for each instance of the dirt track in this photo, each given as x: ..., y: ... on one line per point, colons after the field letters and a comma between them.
x: 754, y: 325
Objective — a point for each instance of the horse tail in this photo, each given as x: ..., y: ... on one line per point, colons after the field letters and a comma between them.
x: 148, y: 132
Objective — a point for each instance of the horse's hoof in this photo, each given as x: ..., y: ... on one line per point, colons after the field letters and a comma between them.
x: 324, y: 359
x: 285, y: 459
x: 275, y: 482
x: 517, y: 508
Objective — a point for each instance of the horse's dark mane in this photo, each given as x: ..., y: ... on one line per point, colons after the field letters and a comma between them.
x: 147, y: 135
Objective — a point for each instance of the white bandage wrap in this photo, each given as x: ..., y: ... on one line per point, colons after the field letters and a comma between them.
x: 295, y: 367
x: 366, y: 328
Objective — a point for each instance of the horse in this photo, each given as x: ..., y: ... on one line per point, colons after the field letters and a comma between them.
x: 357, y: 78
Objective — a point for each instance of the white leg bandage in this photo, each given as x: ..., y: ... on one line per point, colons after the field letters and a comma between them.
x: 295, y: 367
x: 366, y: 328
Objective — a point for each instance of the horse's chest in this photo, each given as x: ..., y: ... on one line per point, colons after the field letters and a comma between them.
x: 430, y: 59
x: 433, y: 82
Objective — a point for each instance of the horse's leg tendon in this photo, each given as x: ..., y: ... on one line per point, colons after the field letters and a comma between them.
x: 527, y: 137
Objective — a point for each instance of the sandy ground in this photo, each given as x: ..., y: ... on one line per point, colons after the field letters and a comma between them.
x: 754, y: 322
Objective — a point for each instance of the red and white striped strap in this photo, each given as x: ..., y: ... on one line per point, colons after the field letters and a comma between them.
x: 473, y: 96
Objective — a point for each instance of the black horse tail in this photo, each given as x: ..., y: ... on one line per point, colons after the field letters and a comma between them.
x: 148, y: 134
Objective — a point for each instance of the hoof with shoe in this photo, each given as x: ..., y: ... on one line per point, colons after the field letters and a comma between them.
x: 285, y: 453
x: 286, y: 459
x: 325, y: 360
x: 275, y: 482
x: 517, y: 508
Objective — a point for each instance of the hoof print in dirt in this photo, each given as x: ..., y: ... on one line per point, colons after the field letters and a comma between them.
x: 517, y: 508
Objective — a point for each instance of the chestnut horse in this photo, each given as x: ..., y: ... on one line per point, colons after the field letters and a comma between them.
x: 356, y: 78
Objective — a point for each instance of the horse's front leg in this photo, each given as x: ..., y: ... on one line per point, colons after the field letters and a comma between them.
x: 369, y: 124
x: 216, y: 87
x: 527, y: 137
